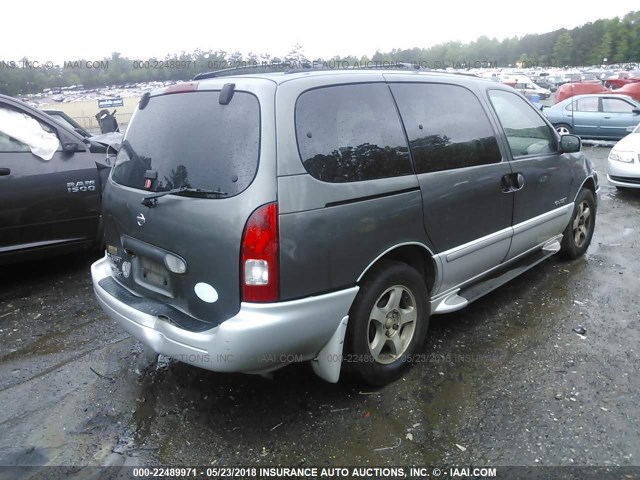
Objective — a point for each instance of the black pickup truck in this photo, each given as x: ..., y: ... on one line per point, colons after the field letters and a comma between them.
x: 51, y: 180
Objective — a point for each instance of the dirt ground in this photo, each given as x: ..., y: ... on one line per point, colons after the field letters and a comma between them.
x: 506, y: 381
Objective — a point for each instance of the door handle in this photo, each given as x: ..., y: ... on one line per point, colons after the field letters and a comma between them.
x: 606, y: 117
x: 505, y: 183
x: 4, y: 172
x: 512, y: 182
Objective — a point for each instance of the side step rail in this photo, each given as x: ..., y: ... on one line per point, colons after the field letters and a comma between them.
x: 461, y: 298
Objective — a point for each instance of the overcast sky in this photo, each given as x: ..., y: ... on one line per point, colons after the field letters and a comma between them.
x: 90, y: 29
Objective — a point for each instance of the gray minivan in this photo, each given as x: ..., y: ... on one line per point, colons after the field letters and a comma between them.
x: 258, y: 220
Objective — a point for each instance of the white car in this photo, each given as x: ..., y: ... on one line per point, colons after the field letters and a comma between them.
x: 526, y: 86
x: 530, y: 88
x: 623, y: 164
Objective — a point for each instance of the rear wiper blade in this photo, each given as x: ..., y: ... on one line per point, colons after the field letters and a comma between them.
x: 151, y: 200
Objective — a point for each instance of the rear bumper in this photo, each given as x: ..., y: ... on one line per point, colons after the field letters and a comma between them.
x: 259, y: 338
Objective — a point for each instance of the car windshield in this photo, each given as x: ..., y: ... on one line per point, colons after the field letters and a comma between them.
x: 190, y: 140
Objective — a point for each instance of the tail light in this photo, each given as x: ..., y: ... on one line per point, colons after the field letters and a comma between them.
x: 259, y: 268
x: 181, y: 87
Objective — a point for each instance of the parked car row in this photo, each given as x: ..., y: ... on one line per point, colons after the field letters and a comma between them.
x: 570, y: 89
x: 620, y: 79
x: 608, y: 79
x: 78, y: 93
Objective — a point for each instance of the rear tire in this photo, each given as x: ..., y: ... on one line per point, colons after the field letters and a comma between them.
x: 388, y: 324
x: 564, y: 129
x: 577, y: 236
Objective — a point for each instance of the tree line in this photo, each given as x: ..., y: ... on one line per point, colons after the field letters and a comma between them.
x: 603, y: 42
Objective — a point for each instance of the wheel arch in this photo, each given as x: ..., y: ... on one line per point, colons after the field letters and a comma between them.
x: 589, y: 183
x: 414, y: 254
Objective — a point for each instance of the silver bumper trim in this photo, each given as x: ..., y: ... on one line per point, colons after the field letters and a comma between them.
x: 259, y: 338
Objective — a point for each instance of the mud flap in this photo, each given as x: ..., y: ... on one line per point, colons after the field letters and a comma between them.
x: 328, y: 361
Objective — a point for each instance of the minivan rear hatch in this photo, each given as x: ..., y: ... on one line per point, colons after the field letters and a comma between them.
x: 184, y: 184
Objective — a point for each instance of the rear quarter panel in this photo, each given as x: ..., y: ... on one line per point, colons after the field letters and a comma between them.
x: 331, y: 232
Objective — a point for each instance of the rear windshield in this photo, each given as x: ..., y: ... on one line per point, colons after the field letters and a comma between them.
x: 190, y: 140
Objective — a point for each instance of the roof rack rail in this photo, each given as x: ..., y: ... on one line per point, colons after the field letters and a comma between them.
x: 304, y: 67
x: 310, y: 66
x: 395, y: 66
x: 270, y: 68
x: 230, y: 71
x: 464, y: 74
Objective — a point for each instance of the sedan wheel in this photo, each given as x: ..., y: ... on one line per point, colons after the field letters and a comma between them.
x: 563, y: 129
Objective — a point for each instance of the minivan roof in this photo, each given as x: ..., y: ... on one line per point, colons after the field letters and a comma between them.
x: 282, y: 77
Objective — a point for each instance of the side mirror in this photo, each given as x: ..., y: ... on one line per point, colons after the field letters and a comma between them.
x: 636, y: 111
x: 570, y: 143
x: 69, y: 144
x: 70, y: 147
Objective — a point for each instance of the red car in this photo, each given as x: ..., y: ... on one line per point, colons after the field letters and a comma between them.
x: 621, y: 79
x: 570, y: 89
x: 631, y: 89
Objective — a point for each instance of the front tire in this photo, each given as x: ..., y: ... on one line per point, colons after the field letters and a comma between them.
x: 564, y: 129
x: 388, y: 323
x: 577, y: 236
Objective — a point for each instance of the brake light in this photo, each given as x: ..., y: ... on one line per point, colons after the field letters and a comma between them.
x: 181, y: 87
x: 259, y: 267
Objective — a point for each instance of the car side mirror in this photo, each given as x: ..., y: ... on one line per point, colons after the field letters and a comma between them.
x: 570, y: 143
x: 636, y: 111
x: 70, y: 147
x: 69, y: 143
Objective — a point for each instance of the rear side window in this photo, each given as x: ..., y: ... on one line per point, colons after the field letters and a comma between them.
x: 446, y: 125
x: 526, y: 131
x: 190, y: 140
x: 350, y: 133
x: 616, y: 105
